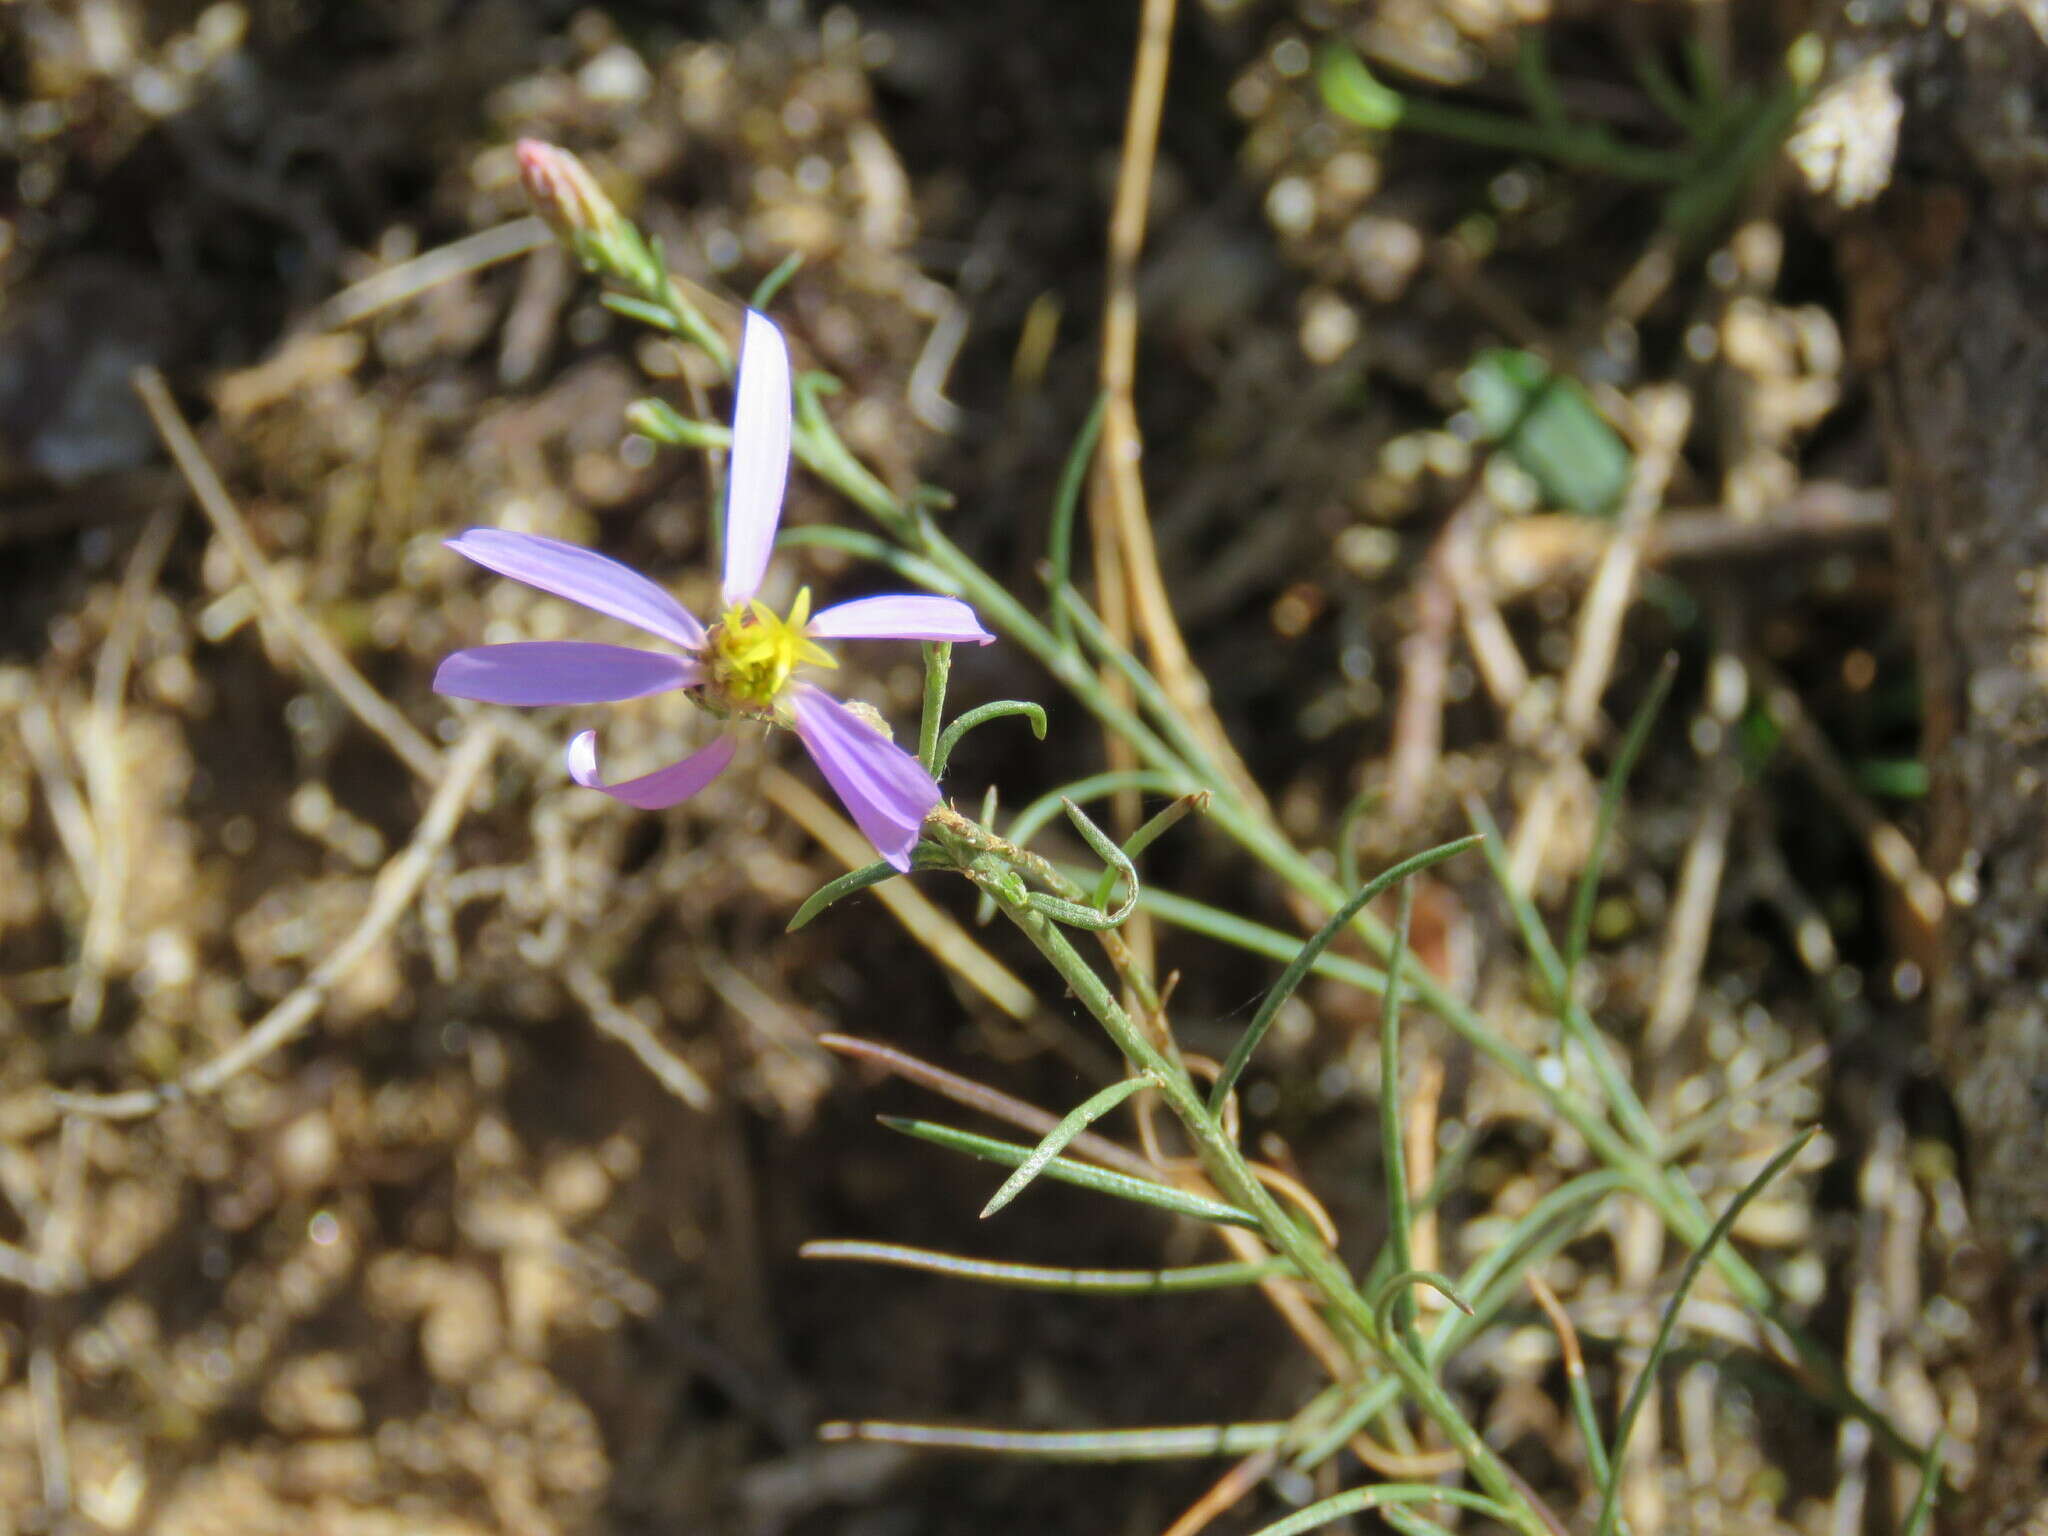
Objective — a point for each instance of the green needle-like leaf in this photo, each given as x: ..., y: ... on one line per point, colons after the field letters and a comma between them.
x: 845, y: 885
x: 1056, y: 1139
x: 1042, y: 1277
x: 981, y: 714
x: 1632, y: 743
x: 1059, y: 547
x: 1120, y: 1185
x: 1305, y: 958
x: 772, y: 284
x: 1930, y: 1488
x: 1610, y: 1503
x: 1171, y: 1443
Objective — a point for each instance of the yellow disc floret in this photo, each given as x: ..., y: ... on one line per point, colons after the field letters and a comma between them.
x: 751, y: 653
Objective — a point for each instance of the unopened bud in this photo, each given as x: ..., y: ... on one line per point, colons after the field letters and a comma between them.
x: 567, y: 196
x: 563, y: 191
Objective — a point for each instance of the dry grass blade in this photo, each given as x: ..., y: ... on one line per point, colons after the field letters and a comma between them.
x: 99, y: 755
x: 626, y: 1027
x: 307, y: 638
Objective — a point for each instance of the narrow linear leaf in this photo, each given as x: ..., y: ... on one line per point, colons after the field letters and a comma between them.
x: 1610, y: 1503
x: 1922, y: 1511
x: 1105, y: 849
x: 1149, y: 834
x: 1056, y: 1139
x: 1042, y: 1277
x: 1172, y: 1443
x: 1122, y: 1186
x: 1347, y: 836
x: 1059, y: 544
x: 1408, y: 1523
x: 1094, y: 787
x: 1632, y: 744
x: 1305, y: 958
x: 835, y: 890
x: 1328, y: 1511
x: 1393, y: 1145
x: 1397, y: 1286
x: 660, y: 422
x: 981, y: 714
x: 647, y: 314
x: 772, y: 284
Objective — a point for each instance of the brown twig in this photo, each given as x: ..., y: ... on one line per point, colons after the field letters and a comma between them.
x: 1224, y: 1494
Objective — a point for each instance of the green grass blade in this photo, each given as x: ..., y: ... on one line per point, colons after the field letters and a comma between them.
x: 1305, y: 958
x: 769, y: 286
x: 981, y: 714
x: 1395, y: 1290
x: 1922, y: 1512
x: 1347, y: 836
x: 1578, y: 1025
x: 1610, y: 1503
x: 1119, y: 1185
x: 1059, y: 544
x: 1042, y: 1277
x: 1393, y: 1149
x: 1633, y: 741
x: 1055, y: 1140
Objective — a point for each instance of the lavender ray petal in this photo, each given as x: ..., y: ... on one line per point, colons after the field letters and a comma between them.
x: 884, y: 788
x: 561, y: 672
x: 654, y: 791
x: 900, y: 616
x: 582, y: 576
x: 759, y: 467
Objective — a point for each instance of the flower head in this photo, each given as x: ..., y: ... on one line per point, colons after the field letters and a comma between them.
x: 746, y: 666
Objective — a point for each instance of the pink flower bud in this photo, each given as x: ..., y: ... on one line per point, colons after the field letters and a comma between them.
x: 564, y: 192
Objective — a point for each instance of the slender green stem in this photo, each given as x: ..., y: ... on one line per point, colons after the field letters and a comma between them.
x: 1059, y: 545
x: 1393, y: 1149
x: 1226, y: 1165
x: 938, y: 665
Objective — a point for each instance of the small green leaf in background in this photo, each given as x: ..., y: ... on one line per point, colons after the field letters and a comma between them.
x: 1548, y: 426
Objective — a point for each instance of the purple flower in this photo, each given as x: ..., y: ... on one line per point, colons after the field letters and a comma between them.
x: 741, y: 669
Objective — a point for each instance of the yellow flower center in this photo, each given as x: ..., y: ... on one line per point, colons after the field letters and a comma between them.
x: 751, y: 653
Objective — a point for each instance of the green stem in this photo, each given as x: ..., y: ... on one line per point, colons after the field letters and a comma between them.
x: 1226, y: 1165
x: 938, y: 665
